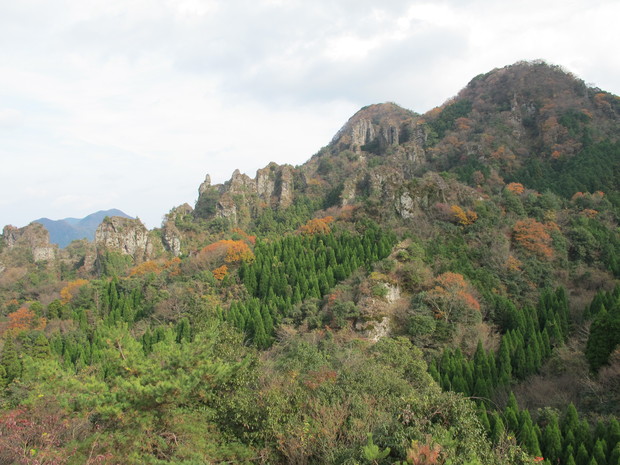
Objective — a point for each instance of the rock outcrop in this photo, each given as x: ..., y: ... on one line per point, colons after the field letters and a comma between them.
x: 171, y: 237
x: 125, y: 235
x: 239, y: 198
x: 33, y: 237
x: 376, y: 127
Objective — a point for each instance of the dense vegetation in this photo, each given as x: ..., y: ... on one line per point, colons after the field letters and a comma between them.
x: 389, y: 314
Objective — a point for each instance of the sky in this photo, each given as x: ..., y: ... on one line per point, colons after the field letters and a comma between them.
x: 129, y: 103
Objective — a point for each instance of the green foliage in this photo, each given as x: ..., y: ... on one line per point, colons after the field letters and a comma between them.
x: 372, y: 452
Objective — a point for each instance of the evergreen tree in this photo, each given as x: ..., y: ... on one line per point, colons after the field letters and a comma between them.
x: 41, y: 347
x: 10, y: 359
x: 552, y: 441
x: 599, y: 452
x: 582, y: 455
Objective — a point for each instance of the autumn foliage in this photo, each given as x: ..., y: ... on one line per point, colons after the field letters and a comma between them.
x: 451, y: 296
x: 462, y: 217
x: 24, y: 319
x: 229, y: 251
x: 533, y: 237
x: 317, y: 226
x: 515, y: 187
x: 67, y: 292
x: 220, y: 272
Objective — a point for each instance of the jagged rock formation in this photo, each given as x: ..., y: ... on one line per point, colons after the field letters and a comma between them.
x: 241, y: 197
x: 33, y: 237
x: 125, y: 235
x: 171, y: 235
x: 376, y: 127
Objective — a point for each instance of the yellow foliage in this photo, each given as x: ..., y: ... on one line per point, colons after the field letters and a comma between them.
x: 220, y: 272
x: 462, y: 217
x: 67, y: 292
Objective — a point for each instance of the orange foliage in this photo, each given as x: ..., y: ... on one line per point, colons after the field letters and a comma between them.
x: 451, y: 293
x: 67, y: 292
x: 556, y: 154
x: 515, y: 188
x: 221, y: 272
x: 24, y: 319
x: 230, y: 251
x: 533, y: 237
x: 590, y: 213
x: 246, y: 236
x: 173, y: 266
x: 144, y: 268
x: 239, y: 251
x: 462, y: 217
x: 317, y: 226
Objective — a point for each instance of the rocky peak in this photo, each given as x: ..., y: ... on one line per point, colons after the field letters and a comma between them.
x: 126, y: 235
x: 34, y: 237
x: 171, y: 236
x: 380, y: 124
x: 241, y: 195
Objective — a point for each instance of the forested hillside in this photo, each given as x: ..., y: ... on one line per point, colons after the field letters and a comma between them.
x: 426, y: 289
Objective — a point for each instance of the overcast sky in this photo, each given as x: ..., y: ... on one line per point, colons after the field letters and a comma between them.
x: 129, y: 103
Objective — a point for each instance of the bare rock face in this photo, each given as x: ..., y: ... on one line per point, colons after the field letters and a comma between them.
x: 125, y: 235
x: 171, y: 237
x: 374, y: 330
x: 236, y: 199
x: 205, y: 185
x: 34, y: 237
x: 379, y: 124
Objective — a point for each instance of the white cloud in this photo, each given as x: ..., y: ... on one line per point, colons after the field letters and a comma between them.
x: 128, y: 103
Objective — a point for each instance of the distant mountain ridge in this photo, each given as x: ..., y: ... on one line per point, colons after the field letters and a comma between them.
x: 63, y: 231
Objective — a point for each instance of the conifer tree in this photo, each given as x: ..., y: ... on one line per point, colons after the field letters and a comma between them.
x: 599, y: 452
x: 10, y: 360
x: 552, y: 441
x: 582, y: 457
x: 497, y: 433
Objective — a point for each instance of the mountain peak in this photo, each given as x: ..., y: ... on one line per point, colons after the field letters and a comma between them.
x: 380, y: 123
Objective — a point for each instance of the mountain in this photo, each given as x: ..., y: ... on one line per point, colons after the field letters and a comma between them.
x: 62, y: 232
x: 529, y: 122
x: 436, y: 288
